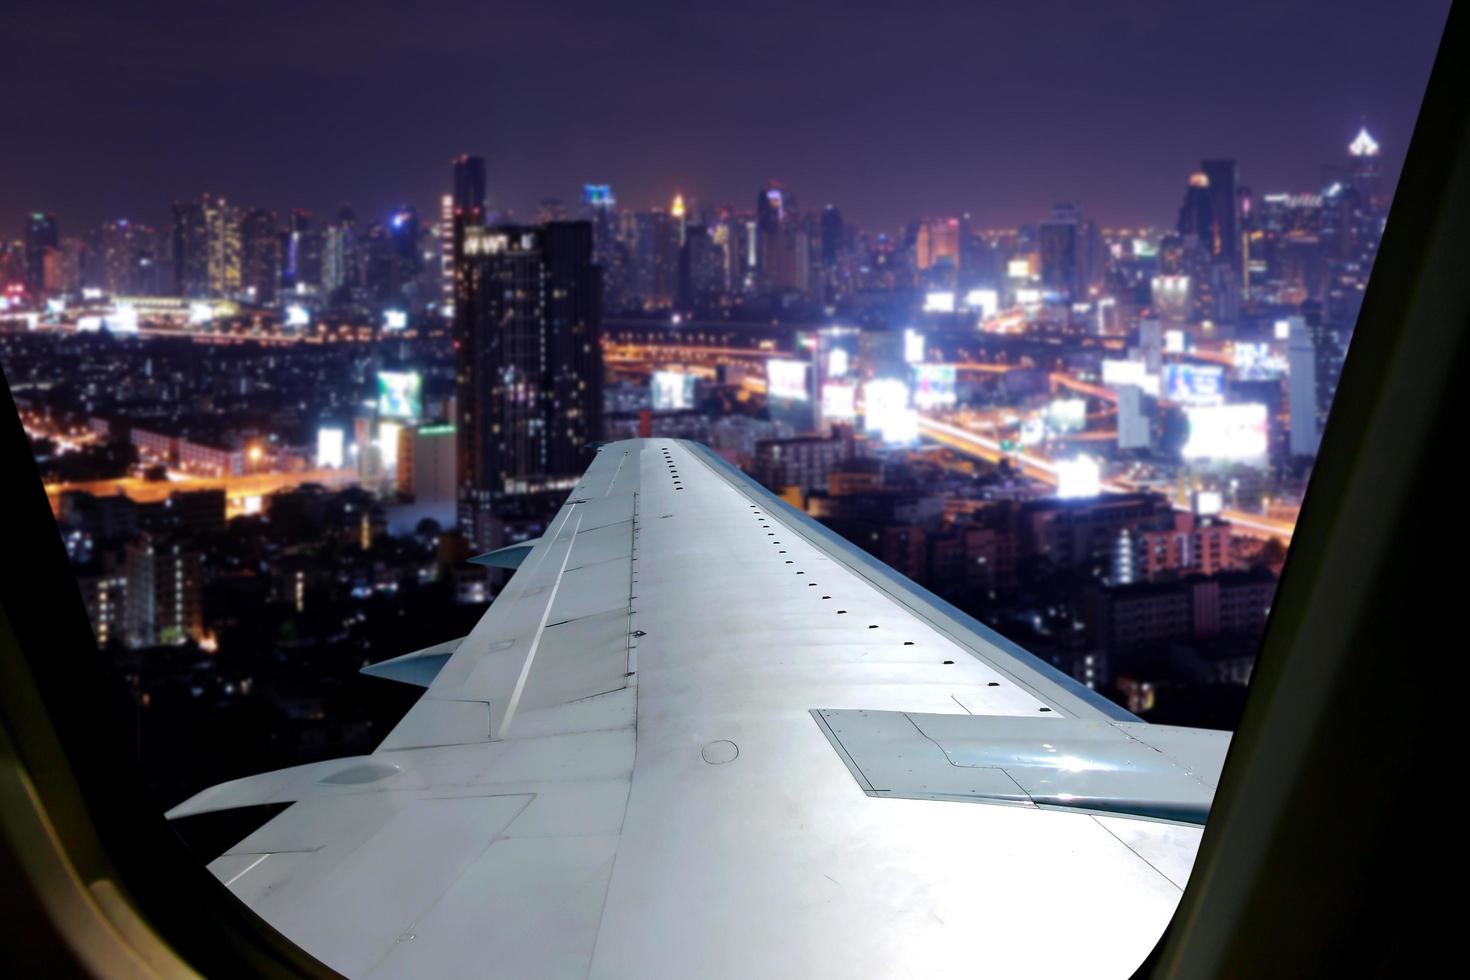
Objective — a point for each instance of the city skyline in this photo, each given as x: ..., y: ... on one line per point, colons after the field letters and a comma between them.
x: 1101, y: 132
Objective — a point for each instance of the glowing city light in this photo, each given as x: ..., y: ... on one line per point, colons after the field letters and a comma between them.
x: 1363, y: 145
x: 1078, y: 478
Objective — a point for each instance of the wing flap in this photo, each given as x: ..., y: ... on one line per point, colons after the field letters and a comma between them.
x: 1073, y: 763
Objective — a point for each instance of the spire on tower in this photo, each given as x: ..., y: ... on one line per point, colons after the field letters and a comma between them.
x: 1363, y: 145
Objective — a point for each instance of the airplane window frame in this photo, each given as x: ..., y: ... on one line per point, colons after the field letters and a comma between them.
x: 82, y: 836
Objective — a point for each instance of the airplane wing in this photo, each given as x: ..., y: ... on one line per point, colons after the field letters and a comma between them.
x: 699, y: 735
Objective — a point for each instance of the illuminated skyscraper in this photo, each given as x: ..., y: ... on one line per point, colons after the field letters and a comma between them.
x: 222, y: 246
x: 339, y: 256
x: 464, y: 209
x: 1367, y: 208
x: 527, y: 324
x: 679, y: 213
x: 938, y: 242
x: 163, y: 604
x: 446, y: 255
x: 1301, y: 387
x: 1366, y: 169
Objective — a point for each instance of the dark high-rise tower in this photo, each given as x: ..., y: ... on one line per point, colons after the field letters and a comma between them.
x: 121, y: 256
x: 527, y: 325
x: 260, y: 249
x: 1062, y: 252
x: 405, y: 258
x: 1224, y: 243
x: 1197, y: 213
x: 831, y: 234
x: 600, y: 207
x: 41, y: 238
x: 469, y: 183
x: 466, y: 209
x: 190, y: 250
x: 302, y: 254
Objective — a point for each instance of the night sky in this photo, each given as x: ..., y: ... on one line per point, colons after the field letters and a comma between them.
x: 888, y: 110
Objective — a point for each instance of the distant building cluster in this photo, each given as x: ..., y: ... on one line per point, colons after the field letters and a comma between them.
x: 1093, y: 437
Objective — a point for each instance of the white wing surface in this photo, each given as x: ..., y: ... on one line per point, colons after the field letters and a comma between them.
x: 697, y: 735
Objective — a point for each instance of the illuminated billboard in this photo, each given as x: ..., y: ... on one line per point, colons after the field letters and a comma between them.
x: 839, y: 362
x: 387, y: 444
x: 297, y: 316
x: 1019, y: 268
x: 123, y: 319
x: 1194, y: 384
x: 939, y: 302
x: 1174, y: 341
x: 330, y: 452
x: 836, y: 352
x: 1079, y: 477
x: 839, y: 401
x: 1066, y: 415
x: 787, y: 379
x: 400, y: 394
x: 986, y: 302
x: 913, y: 346
x: 672, y: 391
x: 395, y: 320
x: 1208, y: 502
x: 886, y: 411
x: 934, y: 386
x: 1226, y: 432
x: 1257, y: 362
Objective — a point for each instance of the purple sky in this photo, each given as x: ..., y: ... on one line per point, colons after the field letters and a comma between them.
x: 888, y: 110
